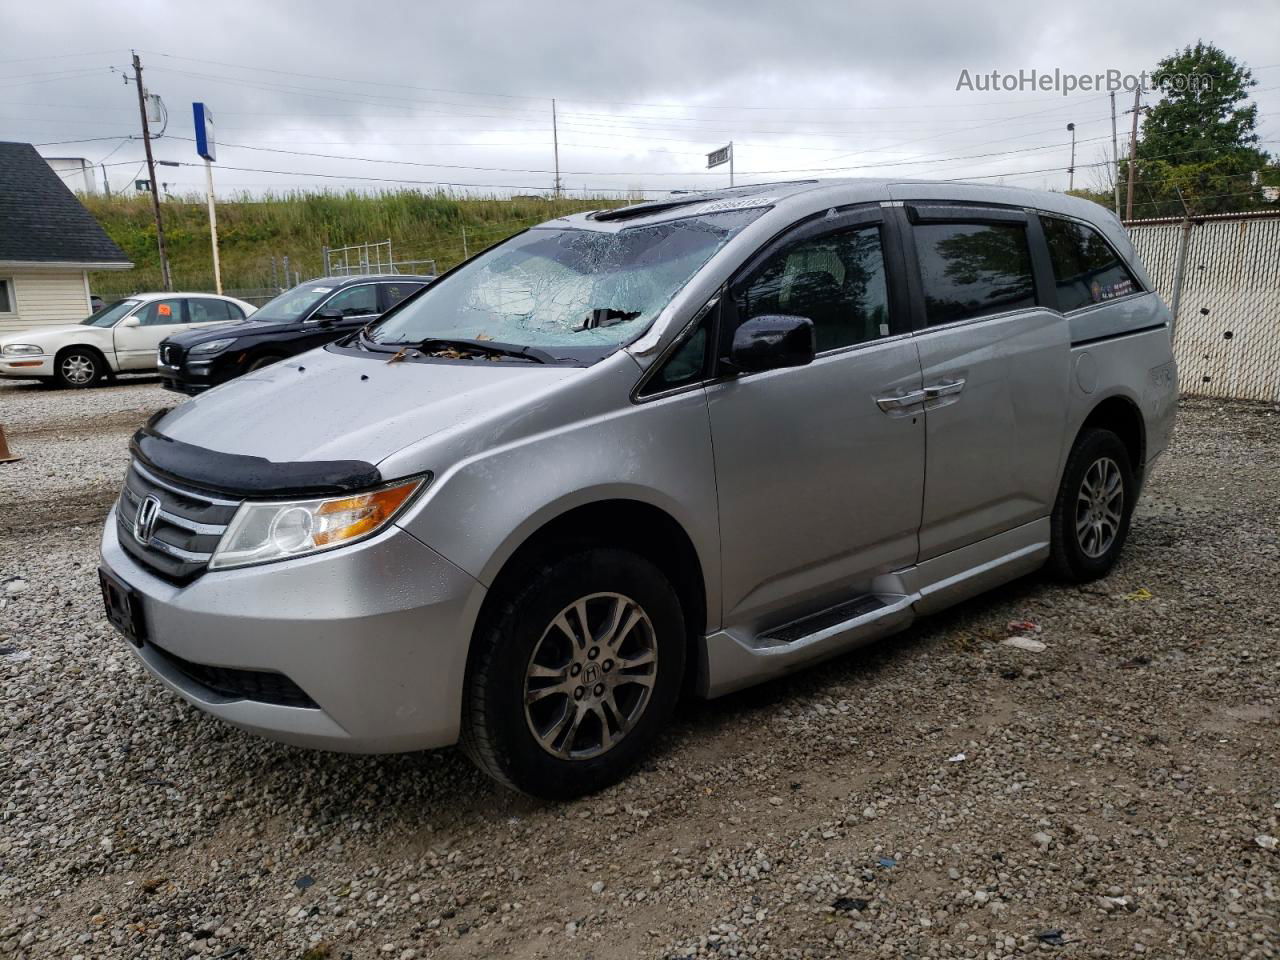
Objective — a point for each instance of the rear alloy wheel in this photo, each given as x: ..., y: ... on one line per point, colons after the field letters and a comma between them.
x: 574, y: 674
x: 78, y: 368
x: 1091, y: 516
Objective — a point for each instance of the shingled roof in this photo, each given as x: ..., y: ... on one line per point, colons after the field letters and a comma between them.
x: 41, y: 221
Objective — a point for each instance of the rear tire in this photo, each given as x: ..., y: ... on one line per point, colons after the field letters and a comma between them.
x: 556, y: 711
x: 79, y: 367
x: 1091, y: 516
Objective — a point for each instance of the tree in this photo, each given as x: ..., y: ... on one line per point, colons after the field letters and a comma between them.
x: 1198, y: 144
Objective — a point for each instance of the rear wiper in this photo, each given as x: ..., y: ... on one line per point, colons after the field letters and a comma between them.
x: 490, y: 347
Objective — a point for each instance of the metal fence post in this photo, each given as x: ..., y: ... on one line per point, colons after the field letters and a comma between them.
x: 324, y: 253
x: 1179, y: 275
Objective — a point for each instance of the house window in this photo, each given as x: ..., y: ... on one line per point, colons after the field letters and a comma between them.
x: 6, y: 296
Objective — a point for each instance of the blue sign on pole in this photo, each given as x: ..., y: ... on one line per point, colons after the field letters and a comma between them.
x: 205, y: 145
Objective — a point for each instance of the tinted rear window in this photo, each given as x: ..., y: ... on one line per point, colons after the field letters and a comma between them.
x: 1085, y: 268
x: 973, y: 269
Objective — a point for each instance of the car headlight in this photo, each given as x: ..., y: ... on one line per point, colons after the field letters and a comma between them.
x: 213, y: 346
x: 277, y: 530
x: 21, y: 350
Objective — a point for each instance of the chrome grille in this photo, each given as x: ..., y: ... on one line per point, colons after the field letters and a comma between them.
x: 187, y: 526
x: 170, y: 354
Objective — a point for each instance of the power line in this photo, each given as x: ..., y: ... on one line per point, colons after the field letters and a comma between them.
x: 630, y: 173
x: 98, y: 53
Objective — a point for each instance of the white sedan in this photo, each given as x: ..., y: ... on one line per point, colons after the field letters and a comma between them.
x: 121, y: 337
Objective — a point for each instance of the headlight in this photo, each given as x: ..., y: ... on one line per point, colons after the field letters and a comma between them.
x: 213, y: 346
x: 266, y: 531
x: 21, y: 350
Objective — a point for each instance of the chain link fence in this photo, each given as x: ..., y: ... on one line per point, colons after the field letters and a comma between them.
x: 1221, y: 277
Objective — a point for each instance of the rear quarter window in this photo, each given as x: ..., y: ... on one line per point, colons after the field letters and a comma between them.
x: 1086, y: 270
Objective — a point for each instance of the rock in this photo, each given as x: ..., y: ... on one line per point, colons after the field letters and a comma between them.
x: 1029, y: 644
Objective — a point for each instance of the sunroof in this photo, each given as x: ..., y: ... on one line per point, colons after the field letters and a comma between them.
x: 644, y: 209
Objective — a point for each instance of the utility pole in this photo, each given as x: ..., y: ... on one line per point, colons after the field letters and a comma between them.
x: 555, y: 143
x: 106, y: 184
x: 1133, y: 151
x: 1071, y: 170
x: 731, y: 163
x: 151, y: 173
x: 1115, y: 156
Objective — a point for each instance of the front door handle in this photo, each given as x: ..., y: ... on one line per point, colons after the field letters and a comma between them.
x: 894, y: 404
x: 943, y: 388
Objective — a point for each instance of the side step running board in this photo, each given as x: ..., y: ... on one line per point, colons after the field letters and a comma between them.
x: 742, y: 662
x: 816, y: 623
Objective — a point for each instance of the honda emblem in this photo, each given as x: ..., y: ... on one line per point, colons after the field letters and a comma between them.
x: 144, y: 524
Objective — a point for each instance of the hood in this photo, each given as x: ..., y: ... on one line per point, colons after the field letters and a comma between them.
x: 37, y: 334
x: 244, y: 328
x: 324, y: 405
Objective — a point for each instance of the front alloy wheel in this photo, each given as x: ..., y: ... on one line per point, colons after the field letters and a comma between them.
x: 575, y: 667
x: 78, y: 368
x: 591, y: 675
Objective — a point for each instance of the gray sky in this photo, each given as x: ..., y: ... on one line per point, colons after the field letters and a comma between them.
x: 460, y: 93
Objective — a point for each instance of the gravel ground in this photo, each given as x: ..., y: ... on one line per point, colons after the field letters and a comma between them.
x: 941, y: 794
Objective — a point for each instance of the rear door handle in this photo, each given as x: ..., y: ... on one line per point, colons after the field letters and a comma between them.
x: 943, y: 388
x: 895, y: 404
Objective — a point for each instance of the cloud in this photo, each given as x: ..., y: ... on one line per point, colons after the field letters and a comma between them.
x: 461, y: 94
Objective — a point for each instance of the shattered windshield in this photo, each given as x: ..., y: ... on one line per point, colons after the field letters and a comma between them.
x: 557, y: 287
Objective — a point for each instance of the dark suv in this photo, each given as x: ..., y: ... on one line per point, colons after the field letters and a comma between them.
x: 310, y: 315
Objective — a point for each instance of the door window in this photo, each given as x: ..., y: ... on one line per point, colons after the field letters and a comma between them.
x: 836, y: 280
x: 973, y: 269
x: 1085, y: 268
x: 393, y: 293
x: 208, y: 310
x: 163, y: 313
x: 354, y: 301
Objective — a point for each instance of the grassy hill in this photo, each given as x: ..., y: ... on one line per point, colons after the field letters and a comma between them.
x: 298, y: 225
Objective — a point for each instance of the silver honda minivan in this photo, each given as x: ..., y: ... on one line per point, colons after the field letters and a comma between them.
x: 671, y: 449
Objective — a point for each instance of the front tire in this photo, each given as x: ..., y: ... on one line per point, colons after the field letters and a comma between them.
x: 574, y: 674
x: 1095, y: 503
x: 78, y: 368
x: 266, y: 360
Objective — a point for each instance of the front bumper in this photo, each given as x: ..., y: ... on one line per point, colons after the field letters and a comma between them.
x: 182, y: 380
x: 376, y: 634
x: 26, y: 368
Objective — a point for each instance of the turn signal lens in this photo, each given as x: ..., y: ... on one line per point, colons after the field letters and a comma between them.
x: 278, y: 530
x: 351, y: 517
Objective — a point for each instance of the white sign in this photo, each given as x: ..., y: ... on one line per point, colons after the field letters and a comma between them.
x: 717, y: 157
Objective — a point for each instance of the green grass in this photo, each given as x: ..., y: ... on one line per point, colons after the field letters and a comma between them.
x: 253, y: 230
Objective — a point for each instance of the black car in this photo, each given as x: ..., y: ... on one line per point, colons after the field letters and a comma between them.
x: 310, y: 315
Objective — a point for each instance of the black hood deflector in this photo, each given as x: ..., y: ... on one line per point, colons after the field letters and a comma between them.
x: 244, y: 476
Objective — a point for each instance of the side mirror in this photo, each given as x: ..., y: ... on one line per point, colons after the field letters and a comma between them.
x: 327, y: 317
x: 771, y: 342
x: 133, y: 321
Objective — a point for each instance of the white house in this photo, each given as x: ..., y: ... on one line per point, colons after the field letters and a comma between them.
x: 48, y: 244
